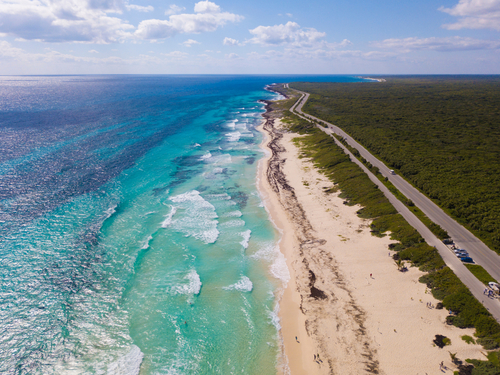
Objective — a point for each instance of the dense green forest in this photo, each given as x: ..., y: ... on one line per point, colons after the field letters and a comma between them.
x: 357, y: 188
x: 441, y: 133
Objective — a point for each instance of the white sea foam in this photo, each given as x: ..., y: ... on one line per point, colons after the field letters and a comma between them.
x: 274, y: 316
x: 218, y: 197
x: 233, y: 223
x: 208, y: 155
x: 168, y: 218
x: 243, y: 285
x: 270, y: 252
x: 236, y: 213
x: 233, y: 137
x: 197, y: 145
x: 267, y: 252
x: 129, y: 364
x: 218, y: 170
x: 246, y: 238
x: 232, y: 124
x: 146, y: 243
x: 192, y: 287
x: 279, y: 269
x: 110, y: 211
x: 197, y: 218
x: 221, y: 159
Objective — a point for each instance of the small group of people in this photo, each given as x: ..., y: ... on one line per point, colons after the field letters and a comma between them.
x: 488, y: 292
x: 430, y: 305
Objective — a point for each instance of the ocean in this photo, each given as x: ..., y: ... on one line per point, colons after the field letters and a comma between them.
x: 133, y: 239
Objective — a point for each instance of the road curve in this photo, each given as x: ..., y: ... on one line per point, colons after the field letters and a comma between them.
x: 462, y: 237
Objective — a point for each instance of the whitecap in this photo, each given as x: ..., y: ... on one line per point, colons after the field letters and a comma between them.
x: 168, y: 218
x: 197, y: 219
x: 208, y: 155
x: 146, y: 243
x: 246, y: 238
x: 218, y: 170
x: 243, y: 285
x: 110, y: 211
x: 129, y: 364
x: 279, y: 269
x: 236, y: 213
x: 192, y: 287
x: 233, y: 223
x: 218, y: 197
x: 233, y: 137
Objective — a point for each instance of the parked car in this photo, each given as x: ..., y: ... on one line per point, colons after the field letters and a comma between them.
x: 463, y: 255
x: 467, y: 260
x: 448, y: 241
x: 457, y: 251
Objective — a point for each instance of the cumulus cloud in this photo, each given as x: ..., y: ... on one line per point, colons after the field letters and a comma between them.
x: 190, y: 42
x: 140, y: 8
x: 290, y: 33
x: 206, y: 7
x: 437, y: 44
x: 174, y: 9
x: 207, y: 17
x: 63, y: 21
x: 93, y: 51
x: 474, y: 14
x: 230, y: 42
x: 232, y: 56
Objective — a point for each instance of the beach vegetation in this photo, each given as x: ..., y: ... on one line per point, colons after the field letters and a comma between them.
x: 357, y: 189
x: 480, y: 273
x: 439, y: 133
x: 468, y: 339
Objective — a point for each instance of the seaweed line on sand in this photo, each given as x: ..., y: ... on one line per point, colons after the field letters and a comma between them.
x: 317, y: 292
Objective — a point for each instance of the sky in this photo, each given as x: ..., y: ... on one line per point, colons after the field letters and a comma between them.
x: 249, y: 37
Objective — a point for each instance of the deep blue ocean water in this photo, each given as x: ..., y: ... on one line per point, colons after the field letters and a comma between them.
x: 132, y: 236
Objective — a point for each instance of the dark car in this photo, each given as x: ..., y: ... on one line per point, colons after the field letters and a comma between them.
x: 467, y: 260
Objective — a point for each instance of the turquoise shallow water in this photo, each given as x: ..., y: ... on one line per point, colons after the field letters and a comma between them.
x: 133, y: 239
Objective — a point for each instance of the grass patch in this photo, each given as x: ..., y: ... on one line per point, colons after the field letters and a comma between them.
x: 468, y: 339
x: 480, y: 273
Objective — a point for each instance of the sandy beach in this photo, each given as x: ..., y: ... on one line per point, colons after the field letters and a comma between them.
x: 347, y: 309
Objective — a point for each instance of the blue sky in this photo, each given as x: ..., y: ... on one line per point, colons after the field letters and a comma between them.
x: 250, y: 37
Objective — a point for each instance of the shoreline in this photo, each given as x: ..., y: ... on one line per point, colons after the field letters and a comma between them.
x: 353, y: 322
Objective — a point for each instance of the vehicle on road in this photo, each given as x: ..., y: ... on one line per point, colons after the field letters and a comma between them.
x: 448, y: 241
x: 392, y: 171
x: 495, y: 287
x: 467, y: 260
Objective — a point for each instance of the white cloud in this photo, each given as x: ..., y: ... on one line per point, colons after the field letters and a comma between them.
x: 63, y: 21
x: 290, y: 33
x: 93, y: 51
x: 289, y: 15
x: 232, y: 56
x: 437, y: 44
x: 206, y: 7
x: 140, y: 8
x: 190, y: 42
x: 178, y: 55
x: 174, y: 9
x: 475, y: 14
x: 230, y: 42
x: 207, y: 17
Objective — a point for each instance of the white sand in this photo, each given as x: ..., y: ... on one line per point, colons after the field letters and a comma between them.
x: 364, y: 324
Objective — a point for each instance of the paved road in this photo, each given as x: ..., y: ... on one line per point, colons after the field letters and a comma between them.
x: 462, y: 237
